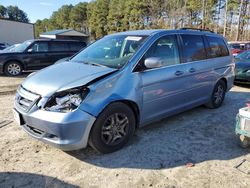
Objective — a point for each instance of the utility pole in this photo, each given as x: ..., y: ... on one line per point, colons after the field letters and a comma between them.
x: 225, y: 20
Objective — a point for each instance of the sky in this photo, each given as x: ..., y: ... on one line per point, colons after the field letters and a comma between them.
x: 39, y: 9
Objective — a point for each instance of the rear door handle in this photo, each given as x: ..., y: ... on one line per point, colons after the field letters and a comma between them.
x: 191, y: 70
x: 178, y: 73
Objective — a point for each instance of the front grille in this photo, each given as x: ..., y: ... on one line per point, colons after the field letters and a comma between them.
x: 25, y: 99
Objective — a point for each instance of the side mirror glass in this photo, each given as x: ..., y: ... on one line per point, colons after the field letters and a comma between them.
x: 153, y: 62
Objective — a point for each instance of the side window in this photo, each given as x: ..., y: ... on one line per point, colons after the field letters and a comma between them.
x: 166, y: 49
x: 217, y: 46
x: 40, y: 47
x: 193, y: 48
x: 59, y: 46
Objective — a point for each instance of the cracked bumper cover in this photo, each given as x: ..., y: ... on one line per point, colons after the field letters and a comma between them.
x: 66, y: 131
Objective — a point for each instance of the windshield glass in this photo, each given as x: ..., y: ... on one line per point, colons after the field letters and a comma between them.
x: 243, y: 55
x: 110, y: 51
x: 22, y: 47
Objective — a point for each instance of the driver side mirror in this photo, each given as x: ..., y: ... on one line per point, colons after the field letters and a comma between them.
x: 153, y: 62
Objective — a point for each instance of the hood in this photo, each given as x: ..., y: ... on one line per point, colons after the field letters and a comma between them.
x: 242, y: 64
x: 63, y: 76
x: 6, y: 53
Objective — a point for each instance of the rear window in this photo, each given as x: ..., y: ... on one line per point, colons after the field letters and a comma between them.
x: 59, y: 46
x: 76, y: 46
x: 217, y: 46
x: 193, y: 48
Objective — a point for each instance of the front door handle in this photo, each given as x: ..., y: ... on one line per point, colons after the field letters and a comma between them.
x: 192, y: 70
x: 178, y: 73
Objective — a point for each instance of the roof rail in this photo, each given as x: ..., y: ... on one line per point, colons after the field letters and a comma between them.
x: 196, y: 29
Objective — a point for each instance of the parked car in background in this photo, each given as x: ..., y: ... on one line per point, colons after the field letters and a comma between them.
x: 121, y: 82
x: 238, y: 47
x: 242, y: 67
x: 3, y: 46
x: 37, y: 54
x: 9, y: 49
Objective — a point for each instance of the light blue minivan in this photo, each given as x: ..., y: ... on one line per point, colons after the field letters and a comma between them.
x: 122, y: 82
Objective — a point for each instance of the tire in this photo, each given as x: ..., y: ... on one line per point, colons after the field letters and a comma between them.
x: 218, y: 95
x: 244, y: 141
x: 13, y: 68
x: 113, y: 128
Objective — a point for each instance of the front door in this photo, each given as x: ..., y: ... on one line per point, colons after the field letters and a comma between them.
x: 164, y: 88
x: 37, y: 56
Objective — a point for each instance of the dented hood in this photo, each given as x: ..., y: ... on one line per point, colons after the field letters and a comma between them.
x: 63, y: 76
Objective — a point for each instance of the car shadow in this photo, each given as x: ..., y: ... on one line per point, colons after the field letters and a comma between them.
x: 245, y: 85
x: 21, y: 179
x: 23, y: 75
x: 195, y: 136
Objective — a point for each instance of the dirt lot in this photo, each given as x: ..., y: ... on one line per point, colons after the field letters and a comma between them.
x: 156, y: 157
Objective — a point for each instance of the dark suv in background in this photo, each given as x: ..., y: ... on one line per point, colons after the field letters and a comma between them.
x: 37, y: 54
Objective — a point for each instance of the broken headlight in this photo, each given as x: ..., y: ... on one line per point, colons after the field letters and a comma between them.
x: 66, y: 101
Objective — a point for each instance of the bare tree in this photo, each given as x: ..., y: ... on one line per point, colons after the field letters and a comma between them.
x: 239, y: 19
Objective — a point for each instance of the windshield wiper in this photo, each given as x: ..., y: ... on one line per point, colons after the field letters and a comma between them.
x: 92, y: 63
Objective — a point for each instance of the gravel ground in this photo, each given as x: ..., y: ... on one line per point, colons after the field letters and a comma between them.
x: 156, y: 156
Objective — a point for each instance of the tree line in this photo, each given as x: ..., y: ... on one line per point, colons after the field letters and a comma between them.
x: 100, y: 17
x: 13, y: 13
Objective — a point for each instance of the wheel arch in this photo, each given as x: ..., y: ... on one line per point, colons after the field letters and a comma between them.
x: 131, y: 104
x: 135, y: 109
x: 10, y: 60
x: 225, y: 81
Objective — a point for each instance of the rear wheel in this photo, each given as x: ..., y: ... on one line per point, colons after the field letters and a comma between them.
x: 13, y: 68
x: 113, y: 128
x: 218, y: 95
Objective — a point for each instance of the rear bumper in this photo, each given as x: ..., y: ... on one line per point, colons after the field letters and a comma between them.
x: 66, y: 131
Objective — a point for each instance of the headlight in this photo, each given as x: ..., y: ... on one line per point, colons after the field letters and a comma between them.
x: 66, y: 101
x: 248, y: 71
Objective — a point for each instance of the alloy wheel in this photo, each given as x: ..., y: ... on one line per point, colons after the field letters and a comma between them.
x: 219, y: 94
x: 115, y: 129
x: 14, y: 69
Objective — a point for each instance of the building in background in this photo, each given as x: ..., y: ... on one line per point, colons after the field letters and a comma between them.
x: 13, y: 32
x: 69, y: 34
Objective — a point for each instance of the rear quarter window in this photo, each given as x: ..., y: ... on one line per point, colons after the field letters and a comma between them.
x: 217, y: 47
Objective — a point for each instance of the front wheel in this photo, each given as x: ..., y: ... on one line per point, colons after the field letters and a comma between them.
x: 113, y: 128
x: 13, y: 68
x: 218, y: 95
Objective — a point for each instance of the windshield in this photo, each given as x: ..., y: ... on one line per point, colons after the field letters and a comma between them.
x: 22, y: 46
x: 110, y: 51
x: 243, y: 55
